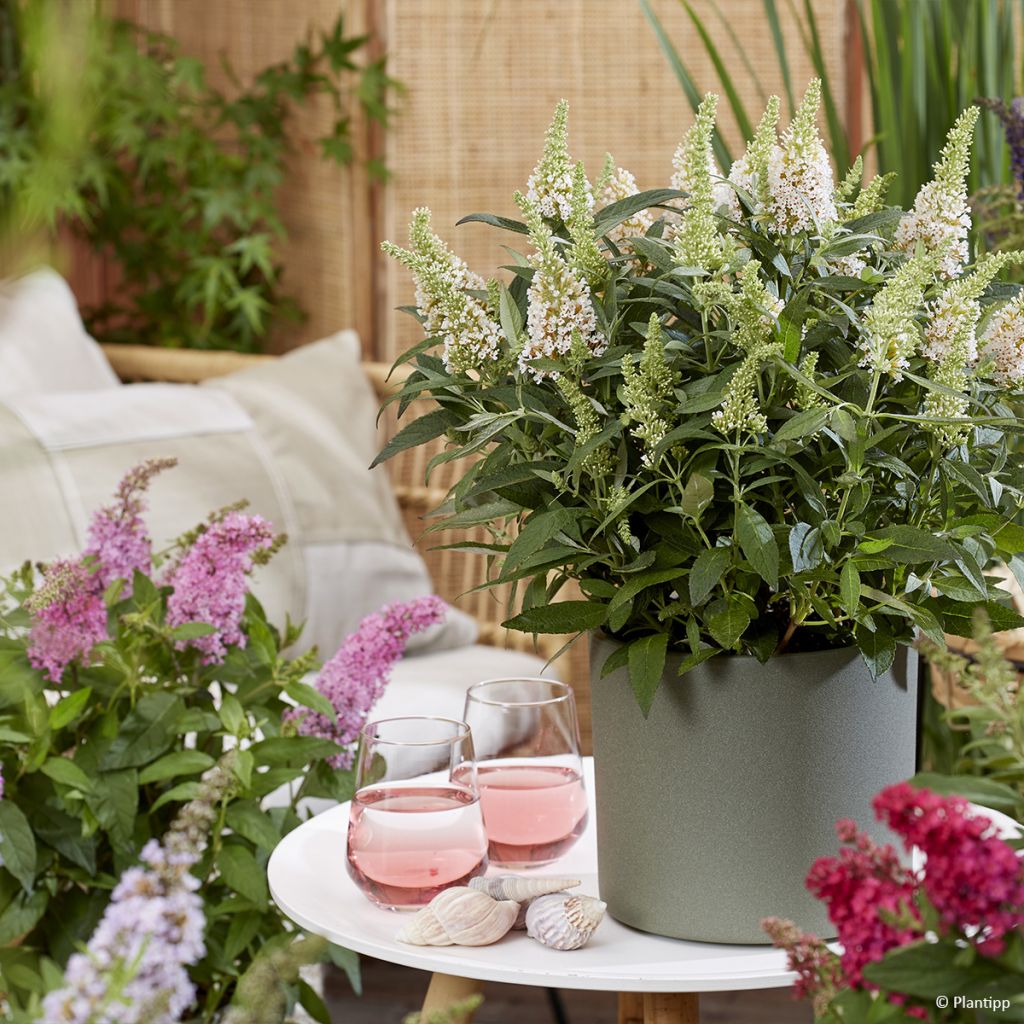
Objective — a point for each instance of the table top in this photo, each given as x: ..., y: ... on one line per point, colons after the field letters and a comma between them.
x: 310, y: 883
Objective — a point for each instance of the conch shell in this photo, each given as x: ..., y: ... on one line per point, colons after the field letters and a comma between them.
x: 561, y: 921
x: 521, y: 889
x: 460, y: 916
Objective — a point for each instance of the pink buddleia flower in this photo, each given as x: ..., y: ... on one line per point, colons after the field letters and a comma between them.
x: 870, y: 900
x: 356, y: 677
x: 68, y: 618
x: 973, y: 879
x: 209, y: 582
x: 118, y: 539
x: 815, y: 965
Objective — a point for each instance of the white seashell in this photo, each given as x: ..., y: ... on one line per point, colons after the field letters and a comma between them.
x: 562, y: 921
x: 521, y: 889
x: 460, y: 916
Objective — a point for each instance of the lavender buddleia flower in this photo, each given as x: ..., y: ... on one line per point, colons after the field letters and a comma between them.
x: 209, y: 582
x: 118, y: 539
x: 134, y: 969
x: 355, y: 678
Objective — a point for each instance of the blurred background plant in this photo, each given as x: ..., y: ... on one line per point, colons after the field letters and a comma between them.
x: 923, y: 62
x: 168, y: 175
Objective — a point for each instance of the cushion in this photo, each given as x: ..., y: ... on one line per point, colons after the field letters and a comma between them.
x: 295, y: 452
x: 43, y: 344
x: 317, y: 413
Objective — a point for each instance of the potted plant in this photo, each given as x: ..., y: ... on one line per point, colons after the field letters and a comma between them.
x: 762, y: 422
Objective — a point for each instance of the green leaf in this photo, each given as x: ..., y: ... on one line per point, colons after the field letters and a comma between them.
x: 180, y: 762
x: 802, y: 424
x: 511, y: 318
x: 420, y: 431
x: 849, y: 589
x: 293, y: 751
x: 805, y: 547
x: 192, y: 631
x: 253, y: 824
x: 615, y: 213
x: 115, y: 801
x: 697, y: 495
x: 66, y: 710
x: 146, y: 732
x: 878, y: 648
x: 536, y: 532
x: 495, y: 222
x: 349, y: 963
x: 310, y: 697
x: 22, y: 914
x: 912, y: 545
x: 636, y: 584
x: 957, y: 617
x: 240, y: 872
x: 560, y: 617
x: 728, y: 623
x: 928, y: 969
x: 977, y: 789
x: 647, y: 667
x: 179, y: 794
x: 707, y: 570
x: 67, y: 773
x: 312, y: 1003
x: 791, y: 325
x: 757, y: 542
x: 17, y: 844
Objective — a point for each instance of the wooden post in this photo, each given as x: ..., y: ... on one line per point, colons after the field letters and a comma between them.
x: 446, y: 989
x: 631, y: 1008
x: 671, y: 1008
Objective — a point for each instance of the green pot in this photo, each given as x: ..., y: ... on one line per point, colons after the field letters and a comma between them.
x: 711, y: 810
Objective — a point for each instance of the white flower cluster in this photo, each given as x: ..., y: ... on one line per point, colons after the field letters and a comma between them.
x: 549, y: 187
x: 617, y: 183
x: 560, y: 308
x: 1004, y: 341
x: 952, y: 319
x: 890, y: 331
x: 941, y: 218
x: 942, y: 221
x: 723, y: 196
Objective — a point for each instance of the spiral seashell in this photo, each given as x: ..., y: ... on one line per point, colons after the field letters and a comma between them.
x: 460, y: 916
x: 521, y: 889
x: 561, y: 921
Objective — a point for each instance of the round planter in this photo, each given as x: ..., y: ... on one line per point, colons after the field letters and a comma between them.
x: 711, y: 810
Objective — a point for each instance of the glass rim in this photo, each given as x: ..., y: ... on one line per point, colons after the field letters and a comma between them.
x: 462, y: 734
x: 567, y: 693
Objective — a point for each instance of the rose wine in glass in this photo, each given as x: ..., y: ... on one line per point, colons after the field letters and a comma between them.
x: 415, y: 824
x: 529, y: 772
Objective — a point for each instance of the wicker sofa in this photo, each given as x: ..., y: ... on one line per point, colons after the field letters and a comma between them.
x: 455, y: 574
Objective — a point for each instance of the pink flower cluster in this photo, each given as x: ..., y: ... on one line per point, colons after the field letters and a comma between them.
x: 68, y: 614
x: 68, y: 618
x: 865, y: 887
x: 210, y: 582
x: 972, y: 878
x: 118, y: 539
x: 355, y: 678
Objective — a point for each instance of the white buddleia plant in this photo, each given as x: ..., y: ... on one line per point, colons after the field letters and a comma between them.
x: 756, y: 413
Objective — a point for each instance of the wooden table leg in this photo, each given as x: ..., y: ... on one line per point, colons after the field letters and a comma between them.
x: 631, y: 1008
x: 446, y: 989
x: 671, y: 1008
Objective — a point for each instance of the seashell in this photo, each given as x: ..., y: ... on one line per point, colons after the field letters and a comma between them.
x: 562, y: 921
x: 521, y: 889
x: 460, y: 916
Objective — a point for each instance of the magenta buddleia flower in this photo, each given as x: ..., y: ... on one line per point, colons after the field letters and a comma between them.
x: 972, y: 878
x: 118, y: 539
x: 68, y: 618
x: 151, y: 930
x: 209, y: 582
x: 865, y: 888
x: 356, y: 677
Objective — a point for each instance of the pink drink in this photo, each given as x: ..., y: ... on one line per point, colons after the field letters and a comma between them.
x: 533, y: 813
x: 407, y: 843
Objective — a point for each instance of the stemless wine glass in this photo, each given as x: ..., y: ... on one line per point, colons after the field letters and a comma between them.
x: 415, y: 825
x: 529, y: 770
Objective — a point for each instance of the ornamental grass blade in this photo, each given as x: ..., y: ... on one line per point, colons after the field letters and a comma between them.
x: 772, y: 14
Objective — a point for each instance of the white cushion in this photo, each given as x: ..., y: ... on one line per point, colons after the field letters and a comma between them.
x: 43, y: 343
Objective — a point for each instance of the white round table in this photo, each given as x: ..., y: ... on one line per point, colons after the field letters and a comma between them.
x: 310, y: 883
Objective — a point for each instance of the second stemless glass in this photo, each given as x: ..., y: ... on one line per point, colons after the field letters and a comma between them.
x: 529, y: 770
x: 415, y: 825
